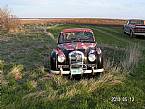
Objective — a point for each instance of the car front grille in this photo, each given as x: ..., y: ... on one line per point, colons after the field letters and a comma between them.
x: 140, y: 30
x: 76, y: 58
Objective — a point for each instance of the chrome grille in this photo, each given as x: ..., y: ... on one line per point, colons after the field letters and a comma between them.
x: 76, y: 58
x: 140, y: 30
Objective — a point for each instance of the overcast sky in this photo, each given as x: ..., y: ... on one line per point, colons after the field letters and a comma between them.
x: 77, y: 8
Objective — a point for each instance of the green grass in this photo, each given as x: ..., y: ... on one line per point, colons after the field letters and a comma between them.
x: 21, y: 56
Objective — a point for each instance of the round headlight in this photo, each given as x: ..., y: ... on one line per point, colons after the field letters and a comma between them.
x: 92, y: 57
x: 61, y: 59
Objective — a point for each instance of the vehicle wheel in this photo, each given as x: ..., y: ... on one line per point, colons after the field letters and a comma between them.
x: 100, y: 62
x: 131, y: 34
x: 53, y: 64
x: 46, y: 63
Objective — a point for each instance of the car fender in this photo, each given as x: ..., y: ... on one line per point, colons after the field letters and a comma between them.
x: 53, y: 60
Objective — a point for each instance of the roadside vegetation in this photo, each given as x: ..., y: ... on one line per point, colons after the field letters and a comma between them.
x: 25, y: 84
x: 8, y: 21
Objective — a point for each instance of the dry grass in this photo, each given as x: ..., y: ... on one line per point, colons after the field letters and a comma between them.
x: 132, y: 58
x: 1, y: 65
x: 74, y: 21
x: 1, y: 71
x: 64, y: 89
x: 16, y: 72
x: 8, y: 22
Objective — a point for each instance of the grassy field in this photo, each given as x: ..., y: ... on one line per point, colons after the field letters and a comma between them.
x: 25, y: 84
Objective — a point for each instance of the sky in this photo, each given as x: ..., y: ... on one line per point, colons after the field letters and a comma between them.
x: 124, y: 9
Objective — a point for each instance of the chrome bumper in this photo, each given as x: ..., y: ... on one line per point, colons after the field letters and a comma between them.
x: 139, y: 34
x: 84, y: 71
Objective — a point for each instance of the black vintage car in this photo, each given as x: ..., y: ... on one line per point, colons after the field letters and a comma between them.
x: 134, y: 27
x: 76, y: 53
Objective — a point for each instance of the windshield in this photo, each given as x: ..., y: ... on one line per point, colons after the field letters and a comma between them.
x: 136, y: 22
x: 79, y: 37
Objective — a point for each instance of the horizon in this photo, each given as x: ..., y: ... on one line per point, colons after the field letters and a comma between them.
x: 105, y: 18
x: 129, y: 9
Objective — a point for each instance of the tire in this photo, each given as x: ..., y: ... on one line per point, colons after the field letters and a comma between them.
x: 100, y: 62
x: 46, y: 63
x: 131, y: 34
x: 53, y: 62
x: 99, y: 66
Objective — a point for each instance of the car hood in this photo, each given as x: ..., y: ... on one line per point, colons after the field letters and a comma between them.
x: 76, y: 46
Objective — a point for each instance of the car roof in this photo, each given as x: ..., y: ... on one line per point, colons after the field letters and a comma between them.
x: 136, y: 19
x: 77, y: 30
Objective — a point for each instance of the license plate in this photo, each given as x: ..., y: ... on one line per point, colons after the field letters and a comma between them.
x: 76, y: 71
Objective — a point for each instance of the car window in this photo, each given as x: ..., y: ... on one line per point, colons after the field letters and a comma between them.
x: 79, y: 36
x: 136, y: 22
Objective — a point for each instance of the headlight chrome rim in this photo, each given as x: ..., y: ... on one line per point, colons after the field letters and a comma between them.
x: 92, y: 57
x: 61, y: 59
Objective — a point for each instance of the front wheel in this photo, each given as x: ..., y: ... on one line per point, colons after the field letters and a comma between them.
x: 132, y: 34
x: 100, y: 62
x: 53, y: 64
x: 46, y: 63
